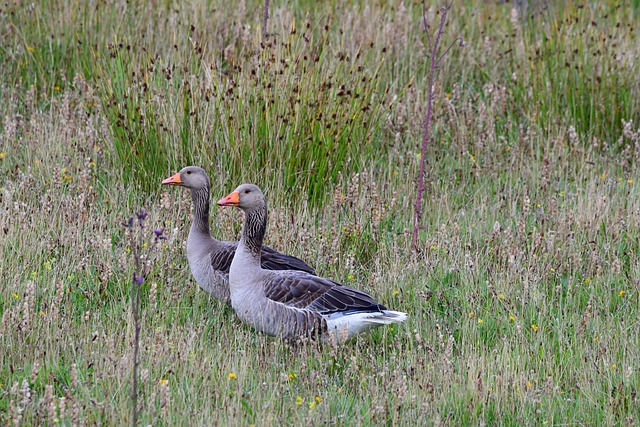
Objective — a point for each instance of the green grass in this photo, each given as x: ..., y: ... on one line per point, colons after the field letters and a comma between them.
x: 523, y: 305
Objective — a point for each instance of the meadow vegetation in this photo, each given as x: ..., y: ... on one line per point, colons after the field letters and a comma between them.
x: 523, y: 300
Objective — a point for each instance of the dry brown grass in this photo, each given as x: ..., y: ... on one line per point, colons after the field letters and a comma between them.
x: 523, y: 307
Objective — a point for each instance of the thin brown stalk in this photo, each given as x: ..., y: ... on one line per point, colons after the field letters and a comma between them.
x: 135, y: 307
x: 136, y: 284
x: 265, y: 17
x: 433, y: 50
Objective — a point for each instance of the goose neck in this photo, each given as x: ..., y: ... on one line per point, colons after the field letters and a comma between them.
x: 200, y: 199
x: 255, y: 226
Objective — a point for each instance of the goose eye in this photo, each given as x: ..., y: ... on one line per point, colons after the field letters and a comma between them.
x: 246, y: 191
x: 188, y: 172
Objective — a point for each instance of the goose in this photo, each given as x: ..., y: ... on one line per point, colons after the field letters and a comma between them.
x: 293, y: 304
x: 209, y: 258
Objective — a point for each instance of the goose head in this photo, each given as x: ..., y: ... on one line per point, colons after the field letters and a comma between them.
x: 191, y: 177
x: 246, y: 197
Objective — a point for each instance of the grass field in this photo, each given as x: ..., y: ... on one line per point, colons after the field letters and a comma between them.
x: 523, y: 302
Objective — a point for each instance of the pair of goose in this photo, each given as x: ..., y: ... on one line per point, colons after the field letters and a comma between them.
x: 274, y: 293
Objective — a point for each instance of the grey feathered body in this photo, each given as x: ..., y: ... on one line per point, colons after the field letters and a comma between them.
x: 292, y: 304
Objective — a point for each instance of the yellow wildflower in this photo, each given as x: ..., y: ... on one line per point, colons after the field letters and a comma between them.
x: 471, y: 314
x: 318, y: 400
x: 298, y: 400
x: 587, y: 280
x: 164, y: 381
x: 630, y: 181
x: 15, y: 295
x: 501, y: 297
x: 2, y: 155
x: 511, y: 318
x: 621, y: 293
x: 30, y: 48
x: 534, y: 327
x: 479, y: 321
x: 232, y: 376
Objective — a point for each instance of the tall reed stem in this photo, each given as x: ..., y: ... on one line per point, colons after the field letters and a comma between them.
x: 435, y: 60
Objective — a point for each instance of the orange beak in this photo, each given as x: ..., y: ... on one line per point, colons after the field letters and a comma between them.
x: 232, y: 199
x: 173, y: 180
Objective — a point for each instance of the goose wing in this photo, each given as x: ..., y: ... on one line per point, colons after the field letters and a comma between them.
x: 270, y: 259
x: 274, y: 260
x: 222, y: 257
x: 305, y: 291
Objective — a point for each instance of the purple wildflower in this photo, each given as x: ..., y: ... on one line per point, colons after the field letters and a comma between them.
x: 160, y: 234
x: 142, y: 214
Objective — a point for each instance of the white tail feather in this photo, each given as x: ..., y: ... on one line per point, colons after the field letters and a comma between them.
x: 342, y: 327
x: 387, y: 317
